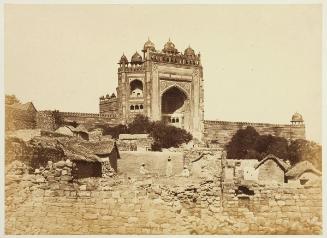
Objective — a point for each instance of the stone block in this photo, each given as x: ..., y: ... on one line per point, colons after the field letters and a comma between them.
x: 132, y: 219
x: 281, y: 203
x: 90, y: 216
x: 60, y: 164
x: 82, y: 187
x: 64, y: 172
x: 107, y: 218
x: 66, y: 178
x: 84, y: 193
x: 116, y: 194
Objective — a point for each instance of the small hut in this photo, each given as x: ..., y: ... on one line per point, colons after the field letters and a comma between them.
x: 272, y: 169
x: 107, y: 151
x: 303, y: 173
x: 92, y: 159
x: 79, y: 132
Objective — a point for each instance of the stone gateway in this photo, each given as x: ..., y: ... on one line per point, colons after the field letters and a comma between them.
x: 164, y: 85
x: 168, y: 85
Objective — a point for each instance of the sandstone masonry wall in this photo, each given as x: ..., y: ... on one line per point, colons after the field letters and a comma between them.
x: 220, y: 132
x: 51, y: 120
x: 16, y: 119
x: 156, y: 206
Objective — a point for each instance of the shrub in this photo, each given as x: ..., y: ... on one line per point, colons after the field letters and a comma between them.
x: 140, y: 125
x: 169, y: 136
x: 114, y: 131
x: 243, y: 141
x: 248, y: 144
x: 268, y: 144
x: 300, y: 150
x: 164, y: 136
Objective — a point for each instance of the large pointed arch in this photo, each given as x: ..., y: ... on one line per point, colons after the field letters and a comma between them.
x: 186, y: 93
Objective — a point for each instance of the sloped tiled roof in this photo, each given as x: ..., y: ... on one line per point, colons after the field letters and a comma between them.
x: 77, y: 129
x: 279, y: 161
x: 300, y: 168
x: 86, y: 150
x: 99, y: 147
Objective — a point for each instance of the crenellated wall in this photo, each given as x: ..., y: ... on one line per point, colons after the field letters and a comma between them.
x: 220, y: 133
x: 108, y: 105
x: 48, y: 120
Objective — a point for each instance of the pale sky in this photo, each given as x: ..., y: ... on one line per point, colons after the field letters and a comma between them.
x: 260, y: 63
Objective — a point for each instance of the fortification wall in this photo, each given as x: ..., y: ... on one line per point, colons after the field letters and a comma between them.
x: 90, y: 118
x: 221, y: 132
x: 108, y: 105
x: 48, y: 120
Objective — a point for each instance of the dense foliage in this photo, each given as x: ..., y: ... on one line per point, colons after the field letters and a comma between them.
x: 140, y: 125
x: 114, y: 131
x: 164, y: 136
x: 300, y: 150
x: 248, y: 144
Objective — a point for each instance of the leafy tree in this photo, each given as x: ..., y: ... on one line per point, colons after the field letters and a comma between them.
x: 268, y: 144
x: 300, y: 150
x: 164, y: 136
x: 248, y: 144
x: 140, y: 125
x: 278, y: 147
x: 114, y: 131
x: 168, y: 136
x: 262, y: 143
x: 243, y: 141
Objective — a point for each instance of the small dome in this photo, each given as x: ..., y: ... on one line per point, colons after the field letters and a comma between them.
x: 169, y: 47
x: 149, y: 45
x: 123, y: 60
x: 297, y: 117
x: 136, y: 58
x: 189, y: 51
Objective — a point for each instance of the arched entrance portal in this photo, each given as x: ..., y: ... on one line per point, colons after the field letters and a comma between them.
x: 174, y: 106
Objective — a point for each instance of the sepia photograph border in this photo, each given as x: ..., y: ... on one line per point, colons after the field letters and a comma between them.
x: 168, y: 2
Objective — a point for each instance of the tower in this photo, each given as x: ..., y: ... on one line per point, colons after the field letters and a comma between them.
x: 164, y: 85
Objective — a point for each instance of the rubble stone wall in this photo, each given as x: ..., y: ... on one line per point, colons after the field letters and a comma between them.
x: 149, y: 206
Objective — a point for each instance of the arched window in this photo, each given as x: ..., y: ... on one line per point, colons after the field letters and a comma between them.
x: 132, y: 107
x: 136, y: 107
x: 136, y: 88
x: 141, y: 106
x: 177, y: 120
x: 173, y: 120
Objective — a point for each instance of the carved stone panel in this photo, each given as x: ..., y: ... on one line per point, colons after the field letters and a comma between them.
x: 185, y: 86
